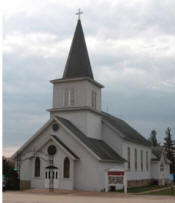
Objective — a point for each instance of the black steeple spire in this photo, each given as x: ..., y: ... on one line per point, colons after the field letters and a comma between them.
x: 78, y: 63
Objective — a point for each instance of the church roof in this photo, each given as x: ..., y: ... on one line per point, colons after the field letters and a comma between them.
x: 157, y: 151
x: 127, y: 131
x: 66, y: 147
x: 78, y: 63
x: 99, y: 147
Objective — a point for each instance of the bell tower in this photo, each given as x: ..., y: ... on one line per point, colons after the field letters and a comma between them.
x: 77, y: 95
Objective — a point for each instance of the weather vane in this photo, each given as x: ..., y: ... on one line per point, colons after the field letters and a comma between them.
x: 79, y: 13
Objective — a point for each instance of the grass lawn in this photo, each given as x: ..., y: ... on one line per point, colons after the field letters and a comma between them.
x: 163, y: 192
x: 142, y: 188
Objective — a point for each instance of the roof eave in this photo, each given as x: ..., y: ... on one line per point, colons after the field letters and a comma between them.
x: 113, y: 161
x: 85, y: 108
x: 62, y: 80
x: 155, y: 160
x: 137, y: 142
x: 72, y: 155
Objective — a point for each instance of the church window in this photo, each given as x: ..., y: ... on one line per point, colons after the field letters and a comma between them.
x: 55, y: 127
x: 49, y: 174
x: 66, y: 97
x: 94, y: 99
x: 141, y: 157
x: 66, y: 168
x: 46, y: 174
x: 72, y: 97
x: 147, y: 166
x: 69, y: 97
x: 136, y: 159
x: 56, y: 175
x: 129, y: 158
x: 51, y: 151
x: 37, y: 167
x: 161, y: 167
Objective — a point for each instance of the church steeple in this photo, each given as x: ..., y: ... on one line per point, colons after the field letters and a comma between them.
x: 78, y: 63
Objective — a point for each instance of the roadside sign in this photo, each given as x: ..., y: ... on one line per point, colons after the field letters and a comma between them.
x: 115, y: 177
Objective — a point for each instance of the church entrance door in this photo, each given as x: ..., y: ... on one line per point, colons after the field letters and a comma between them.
x: 51, y: 178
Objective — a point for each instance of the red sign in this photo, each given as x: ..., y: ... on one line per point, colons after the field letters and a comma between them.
x: 116, y: 173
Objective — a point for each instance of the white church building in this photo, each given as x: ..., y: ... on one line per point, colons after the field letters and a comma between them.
x: 80, y: 144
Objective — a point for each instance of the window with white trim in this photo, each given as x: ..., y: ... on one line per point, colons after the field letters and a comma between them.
x: 66, y: 97
x: 141, y: 158
x: 66, y: 170
x: 147, y: 165
x: 37, y: 167
x: 129, y: 158
x: 72, y: 97
x: 161, y: 167
x: 136, y: 159
x: 69, y: 97
x: 94, y: 99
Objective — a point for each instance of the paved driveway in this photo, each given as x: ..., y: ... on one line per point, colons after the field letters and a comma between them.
x: 81, y: 197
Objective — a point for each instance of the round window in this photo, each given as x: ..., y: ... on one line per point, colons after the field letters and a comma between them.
x: 51, y: 150
x: 55, y: 127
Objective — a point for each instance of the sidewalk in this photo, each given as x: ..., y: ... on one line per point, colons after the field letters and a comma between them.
x: 46, y: 191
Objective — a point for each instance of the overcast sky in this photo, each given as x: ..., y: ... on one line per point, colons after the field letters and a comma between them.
x: 131, y: 46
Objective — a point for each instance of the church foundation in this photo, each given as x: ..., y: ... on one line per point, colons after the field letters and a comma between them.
x: 25, y: 184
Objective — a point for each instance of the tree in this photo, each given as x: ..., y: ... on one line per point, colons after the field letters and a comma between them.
x: 169, y: 147
x: 168, y: 144
x: 153, y: 138
x: 11, y: 176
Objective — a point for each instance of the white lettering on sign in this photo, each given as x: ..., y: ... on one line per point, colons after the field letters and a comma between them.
x: 115, y: 179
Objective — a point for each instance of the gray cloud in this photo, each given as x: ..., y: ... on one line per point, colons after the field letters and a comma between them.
x: 131, y: 47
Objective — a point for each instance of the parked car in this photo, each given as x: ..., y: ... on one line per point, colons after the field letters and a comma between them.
x: 4, y: 183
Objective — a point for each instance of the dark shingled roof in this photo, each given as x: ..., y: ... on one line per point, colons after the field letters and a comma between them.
x: 129, y: 133
x: 67, y: 148
x: 157, y: 151
x: 99, y: 147
x: 78, y: 63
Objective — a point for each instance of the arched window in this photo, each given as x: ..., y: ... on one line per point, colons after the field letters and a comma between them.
x: 37, y: 167
x: 161, y: 167
x: 66, y: 168
x: 94, y: 99
x: 129, y: 158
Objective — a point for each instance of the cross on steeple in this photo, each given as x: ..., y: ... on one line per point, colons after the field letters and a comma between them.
x: 79, y: 13
x: 78, y: 63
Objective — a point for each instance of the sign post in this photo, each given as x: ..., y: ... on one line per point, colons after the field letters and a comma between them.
x: 125, y: 184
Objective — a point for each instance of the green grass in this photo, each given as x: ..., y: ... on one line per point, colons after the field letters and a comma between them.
x: 163, y: 192
x: 142, y: 188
